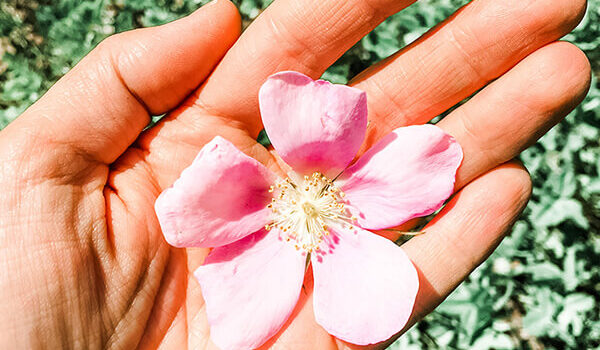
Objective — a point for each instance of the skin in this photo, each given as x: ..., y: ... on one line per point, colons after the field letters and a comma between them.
x: 83, y: 261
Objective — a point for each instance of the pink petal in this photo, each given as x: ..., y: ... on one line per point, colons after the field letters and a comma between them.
x: 408, y: 174
x: 365, y: 287
x: 220, y: 198
x: 250, y: 288
x: 313, y: 125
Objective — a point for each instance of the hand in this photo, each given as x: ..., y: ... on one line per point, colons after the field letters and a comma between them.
x: 83, y: 261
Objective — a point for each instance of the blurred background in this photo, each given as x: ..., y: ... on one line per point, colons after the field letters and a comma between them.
x: 539, y: 290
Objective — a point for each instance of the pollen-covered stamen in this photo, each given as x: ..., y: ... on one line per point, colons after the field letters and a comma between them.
x: 305, y: 211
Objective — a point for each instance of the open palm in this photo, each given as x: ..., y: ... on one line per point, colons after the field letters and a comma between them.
x: 83, y: 260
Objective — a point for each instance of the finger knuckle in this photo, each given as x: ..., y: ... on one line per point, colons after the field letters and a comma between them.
x: 112, y: 49
x: 110, y: 43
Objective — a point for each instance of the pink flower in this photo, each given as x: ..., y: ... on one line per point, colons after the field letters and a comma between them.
x: 264, y: 228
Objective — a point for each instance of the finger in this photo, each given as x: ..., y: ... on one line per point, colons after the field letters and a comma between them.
x: 513, y: 112
x: 462, y: 236
x: 306, y: 36
x: 466, y: 231
x: 510, y: 114
x: 98, y: 109
x: 476, y: 45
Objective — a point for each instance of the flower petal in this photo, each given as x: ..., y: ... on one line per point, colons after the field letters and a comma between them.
x: 365, y: 287
x: 220, y: 198
x: 408, y: 174
x: 250, y: 288
x: 313, y: 125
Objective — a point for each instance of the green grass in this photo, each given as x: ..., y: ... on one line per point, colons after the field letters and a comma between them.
x: 540, y: 289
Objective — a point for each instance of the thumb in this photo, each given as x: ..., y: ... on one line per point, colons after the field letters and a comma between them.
x: 99, y: 108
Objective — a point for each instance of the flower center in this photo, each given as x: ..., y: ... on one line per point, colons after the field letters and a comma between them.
x: 310, y: 210
x: 304, y: 212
